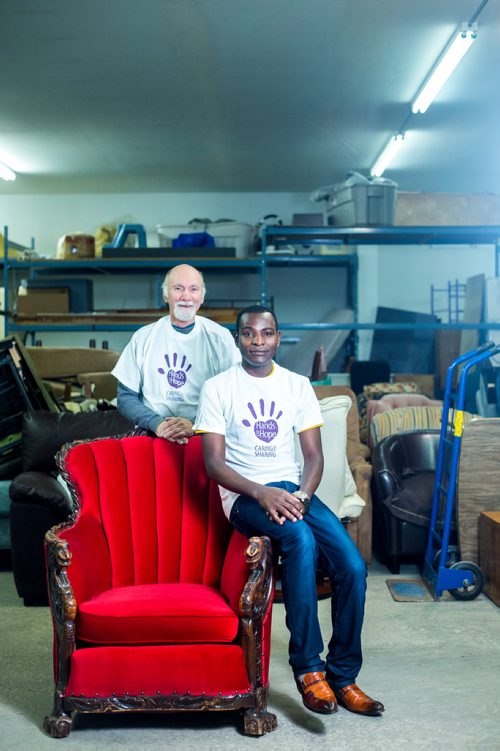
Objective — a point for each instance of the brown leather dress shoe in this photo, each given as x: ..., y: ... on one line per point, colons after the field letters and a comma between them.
x: 352, y: 698
x: 316, y: 693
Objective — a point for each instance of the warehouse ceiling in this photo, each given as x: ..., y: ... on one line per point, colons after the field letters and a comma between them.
x: 154, y: 96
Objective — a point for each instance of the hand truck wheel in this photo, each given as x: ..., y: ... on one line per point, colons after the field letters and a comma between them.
x: 470, y: 590
x: 451, y: 557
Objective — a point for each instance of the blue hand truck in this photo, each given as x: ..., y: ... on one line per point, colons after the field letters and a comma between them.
x: 442, y: 568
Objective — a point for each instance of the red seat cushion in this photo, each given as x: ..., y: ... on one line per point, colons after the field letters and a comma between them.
x: 157, y: 614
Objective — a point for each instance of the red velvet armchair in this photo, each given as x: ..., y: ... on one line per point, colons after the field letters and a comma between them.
x: 157, y: 603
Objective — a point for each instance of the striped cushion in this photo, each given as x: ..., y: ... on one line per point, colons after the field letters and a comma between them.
x: 403, y: 419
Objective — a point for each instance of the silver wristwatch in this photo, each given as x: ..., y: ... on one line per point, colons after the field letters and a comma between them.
x: 302, y: 496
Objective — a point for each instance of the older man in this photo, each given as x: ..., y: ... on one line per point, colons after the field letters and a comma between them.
x: 163, y: 367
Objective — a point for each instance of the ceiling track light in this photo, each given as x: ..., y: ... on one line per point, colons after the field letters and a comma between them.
x: 6, y: 173
x: 456, y: 48
x: 387, y: 155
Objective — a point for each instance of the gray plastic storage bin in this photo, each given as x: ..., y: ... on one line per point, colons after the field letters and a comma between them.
x: 357, y: 205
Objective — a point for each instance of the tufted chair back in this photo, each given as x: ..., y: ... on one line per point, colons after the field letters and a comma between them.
x: 154, y: 515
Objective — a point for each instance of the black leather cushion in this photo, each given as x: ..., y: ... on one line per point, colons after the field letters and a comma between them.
x: 39, y: 488
x: 45, y: 432
x: 412, y: 501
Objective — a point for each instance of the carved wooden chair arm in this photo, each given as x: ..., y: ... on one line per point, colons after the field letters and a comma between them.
x: 257, y: 592
x: 62, y: 602
x: 61, y: 595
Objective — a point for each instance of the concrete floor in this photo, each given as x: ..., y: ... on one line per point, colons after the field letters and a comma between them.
x: 435, y: 665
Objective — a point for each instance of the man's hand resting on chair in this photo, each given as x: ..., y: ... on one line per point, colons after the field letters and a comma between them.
x: 175, y: 429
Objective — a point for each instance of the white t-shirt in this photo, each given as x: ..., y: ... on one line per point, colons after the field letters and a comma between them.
x: 258, y: 417
x: 168, y: 368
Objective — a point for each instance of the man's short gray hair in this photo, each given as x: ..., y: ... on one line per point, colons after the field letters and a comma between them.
x: 164, y: 286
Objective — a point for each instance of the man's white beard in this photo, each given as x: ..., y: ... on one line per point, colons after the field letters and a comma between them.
x: 184, y: 313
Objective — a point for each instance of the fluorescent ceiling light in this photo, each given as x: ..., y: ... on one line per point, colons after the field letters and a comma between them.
x: 387, y: 155
x: 6, y: 173
x: 453, y: 53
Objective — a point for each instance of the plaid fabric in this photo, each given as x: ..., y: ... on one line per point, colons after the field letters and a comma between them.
x: 377, y: 391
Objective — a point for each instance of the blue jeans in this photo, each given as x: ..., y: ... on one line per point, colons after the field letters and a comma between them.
x: 319, y: 535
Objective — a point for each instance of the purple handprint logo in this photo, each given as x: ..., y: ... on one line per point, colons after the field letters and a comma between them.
x: 175, y: 378
x: 265, y: 430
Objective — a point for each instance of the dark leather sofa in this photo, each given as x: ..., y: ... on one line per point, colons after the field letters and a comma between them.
x: 38, y: 499
x: 404, y: 470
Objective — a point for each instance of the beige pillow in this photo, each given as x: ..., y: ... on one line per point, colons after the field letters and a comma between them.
x: 337, y: 488
x: 352, y: 504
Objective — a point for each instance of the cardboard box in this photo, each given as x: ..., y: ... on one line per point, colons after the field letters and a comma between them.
x: 489, y: 553
x: 76, y: 371
x: 81, y: 293
x: 447, y: 349
x: 446, y: 209
x: 60, y: 362
x: 36, y: 301
x: 75, y: 246
x: 98, y: 385
x: 308, y: 220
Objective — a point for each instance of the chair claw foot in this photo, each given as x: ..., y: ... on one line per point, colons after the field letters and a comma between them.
x: 58, y: 726
x: 256, y: 722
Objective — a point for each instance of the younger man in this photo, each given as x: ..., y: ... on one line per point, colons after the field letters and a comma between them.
x: 248, y: 416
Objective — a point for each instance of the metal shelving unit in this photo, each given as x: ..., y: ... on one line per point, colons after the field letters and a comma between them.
x: 103, y: 267
x: 279, y: 237
x: 390, y: 235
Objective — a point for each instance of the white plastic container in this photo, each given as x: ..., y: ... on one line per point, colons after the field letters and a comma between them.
x: 359, y: 205
x: 226, y: 235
